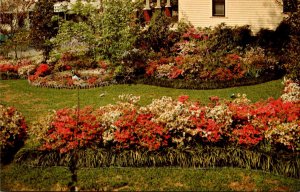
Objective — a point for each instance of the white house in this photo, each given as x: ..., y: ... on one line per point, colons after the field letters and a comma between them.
x: 256, y: 13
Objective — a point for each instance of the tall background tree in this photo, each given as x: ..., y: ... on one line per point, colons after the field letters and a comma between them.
x: 43, y: 27
x: 14, y: 19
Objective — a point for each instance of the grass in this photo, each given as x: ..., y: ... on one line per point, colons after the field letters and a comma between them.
x: 145, y: 179
x: 35, y: 102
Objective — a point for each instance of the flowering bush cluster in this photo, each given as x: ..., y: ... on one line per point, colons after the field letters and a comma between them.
x: 41, y: 71
x: 195, y: 57
x: 291, y: 91
x: 178, y: 123
x: 72, y: 128
x: 67, y: 79
x: 20, y: 68
x: 194, y: 67
x: 12, y: 127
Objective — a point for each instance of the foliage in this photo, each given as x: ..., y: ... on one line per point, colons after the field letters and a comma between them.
x: 12, y: 128
x: 157, y: 35
x: 293, y: 48
x: 227, y: 38
x: 117, y: 29
x: 43, y: 27
x: 14, y: 23
x: 77, y: 40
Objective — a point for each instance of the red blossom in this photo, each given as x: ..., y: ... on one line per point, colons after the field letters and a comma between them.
x: 71, y: 129
x: 183, y: 98
x: 137, y: 130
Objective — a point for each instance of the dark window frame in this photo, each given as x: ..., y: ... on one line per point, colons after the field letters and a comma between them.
x: 214, y: 12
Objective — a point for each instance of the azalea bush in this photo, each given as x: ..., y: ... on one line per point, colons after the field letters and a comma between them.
x: 41, y: 71
x: 13, y: 128
x: 15, y: 69
x: 71, y: 129
x: 271, y: 125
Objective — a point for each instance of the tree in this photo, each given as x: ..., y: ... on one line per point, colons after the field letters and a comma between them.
x: 117, y: 28
x: 13, y: 17
x: 43, y: 26
x: 78, y: 37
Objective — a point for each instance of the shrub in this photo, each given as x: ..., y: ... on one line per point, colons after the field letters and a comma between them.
x: 291, y: 91
x: 137, y: 130
x: 72, y: 129
x: 13, y: 131
x: 158, y: 31
x: 41, y: 71
x: 292, y: 64
x: 69, y: 60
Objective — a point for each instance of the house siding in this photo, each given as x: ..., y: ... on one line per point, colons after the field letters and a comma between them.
x: 256, y: 13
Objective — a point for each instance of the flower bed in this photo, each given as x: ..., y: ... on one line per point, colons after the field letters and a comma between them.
x: 265, y: 129
x: 85, y: 78
x: 214, y: 67
x: 15, y: 69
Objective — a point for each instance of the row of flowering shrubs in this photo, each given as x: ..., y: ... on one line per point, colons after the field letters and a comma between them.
x: 271, y: 125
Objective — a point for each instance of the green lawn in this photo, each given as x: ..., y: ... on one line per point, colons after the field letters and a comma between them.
x: 34, y: 102
x: 145, y: 179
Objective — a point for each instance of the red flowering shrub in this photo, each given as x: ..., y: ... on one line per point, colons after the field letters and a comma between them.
x: 137, y: 130
x: 41, y: 71
x: 12, y: 127
x: 8, y: 68
x: 183, y: 98
x: 16, y: 69
x: 71, y: 129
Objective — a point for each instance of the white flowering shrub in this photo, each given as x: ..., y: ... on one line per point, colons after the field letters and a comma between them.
x: 291, y: 91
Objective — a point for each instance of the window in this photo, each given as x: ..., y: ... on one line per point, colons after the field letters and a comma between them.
x: 290, y: 5
x: 218, y: 8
